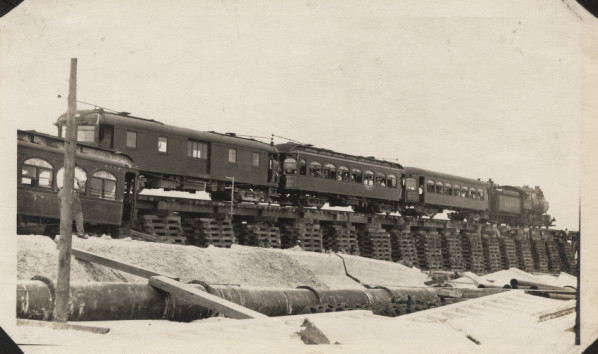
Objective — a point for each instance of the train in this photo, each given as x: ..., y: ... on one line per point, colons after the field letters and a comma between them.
x: 120, y: 154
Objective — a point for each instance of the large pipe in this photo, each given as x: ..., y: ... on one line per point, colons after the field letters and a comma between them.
x: 128, y: 301
x: 105, y: 301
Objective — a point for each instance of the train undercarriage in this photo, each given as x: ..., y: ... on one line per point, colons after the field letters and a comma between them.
x: 425, y: 243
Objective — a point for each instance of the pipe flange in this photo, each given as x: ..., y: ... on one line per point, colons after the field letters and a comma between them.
x: 312, y: 290
x: 51, y: 288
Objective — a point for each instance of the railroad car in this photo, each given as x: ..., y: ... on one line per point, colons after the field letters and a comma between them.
x: 429, y: 193
x: 313, y: 176
x: 107, y: 185
x: 175, y: 158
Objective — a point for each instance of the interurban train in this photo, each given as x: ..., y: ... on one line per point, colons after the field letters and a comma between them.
x: 119, y: 154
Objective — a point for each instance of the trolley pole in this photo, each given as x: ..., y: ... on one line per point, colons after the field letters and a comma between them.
x: 66, y: 216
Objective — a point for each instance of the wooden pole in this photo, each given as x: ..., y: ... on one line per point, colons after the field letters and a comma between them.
x: 66, y: 216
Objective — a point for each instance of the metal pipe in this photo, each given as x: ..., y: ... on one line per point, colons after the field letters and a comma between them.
x: 522, y: 283
x: 105, y: 301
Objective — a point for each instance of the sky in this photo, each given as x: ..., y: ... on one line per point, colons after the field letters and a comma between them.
x: 479, y: 89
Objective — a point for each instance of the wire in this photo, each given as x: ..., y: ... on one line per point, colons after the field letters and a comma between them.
x: 287, y: 139
x: 94, y: 105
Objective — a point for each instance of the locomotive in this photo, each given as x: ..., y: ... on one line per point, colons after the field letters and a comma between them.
x: 123, y: 154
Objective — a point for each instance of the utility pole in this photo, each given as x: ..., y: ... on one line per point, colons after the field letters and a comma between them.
x: 66, y: 216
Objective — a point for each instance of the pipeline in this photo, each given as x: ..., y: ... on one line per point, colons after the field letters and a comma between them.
x: 133, y: 301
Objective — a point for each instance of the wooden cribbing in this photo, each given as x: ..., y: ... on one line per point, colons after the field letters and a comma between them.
x: 191, y: 294
x: 121, y: 266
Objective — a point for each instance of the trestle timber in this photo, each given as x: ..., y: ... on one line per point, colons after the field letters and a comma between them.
x: 424, y: 243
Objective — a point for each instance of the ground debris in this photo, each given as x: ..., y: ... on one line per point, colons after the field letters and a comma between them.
x: 310, y: 334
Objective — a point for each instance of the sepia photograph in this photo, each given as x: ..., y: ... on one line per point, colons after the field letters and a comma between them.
x: 299, y: 176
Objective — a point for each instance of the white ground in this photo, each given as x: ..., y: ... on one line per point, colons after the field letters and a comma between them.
x: 511, y: 327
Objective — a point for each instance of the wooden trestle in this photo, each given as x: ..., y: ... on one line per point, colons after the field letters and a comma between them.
x: 427, y: 244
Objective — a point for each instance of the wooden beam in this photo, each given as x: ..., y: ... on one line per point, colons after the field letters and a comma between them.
x: 61, y: 305
x: 60, y: 325
x: 202, y: 298
x: 143, y: 236
x: 121, y: 266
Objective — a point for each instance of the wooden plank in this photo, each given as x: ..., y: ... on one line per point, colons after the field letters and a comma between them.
x: 142, y: 235
x: 62, y: 325
x: 563, y: 310
x: 202, y: 298
x: 121, y: 266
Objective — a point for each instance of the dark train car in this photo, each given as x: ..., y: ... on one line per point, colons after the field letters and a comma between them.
x: 183, y: 159
x: 313, y: 176
x: 107, y: 193
x: 519, y: 206
x: 429, y: 192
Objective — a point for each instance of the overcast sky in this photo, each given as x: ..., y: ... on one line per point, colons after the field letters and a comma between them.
x: 481, y: 89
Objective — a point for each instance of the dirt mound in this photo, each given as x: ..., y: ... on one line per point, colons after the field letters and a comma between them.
x: 37, y: 255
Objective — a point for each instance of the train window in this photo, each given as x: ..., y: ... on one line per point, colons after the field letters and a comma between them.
x: 356, y: 175
x: 232, y: 155
x: 481, y: 194
x: 103, y: 185
x: 343, y: 174
x: 86, y: 133
x: 80, y: 179
x: 330, y: 171
x: 302, y: 167
x: 290, y: 166
x: 315, y: 169
x: 197, y: 150
x: 439, y: 187
x: 162, y: 144
x: 131, y: 140
x: 37, y: 173
x: 380, y: 179
x: 430, y: 186
x: 410, y: 184
x: 464, y: 192
x: 448, y: 189
x: 368, y: 178
x: 472, y: 193
x: 391, y: 181
x: 256, y: 159
x: 457, y: 190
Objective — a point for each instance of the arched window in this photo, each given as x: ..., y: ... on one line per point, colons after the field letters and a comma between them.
x: 356, y: 175
x: 368, y: 178
x: 430, y: 186
x: 464, y: 192
x: 457, y: 190
x: 380, y: 179
x: 448, y: 189
x: 290, y: 166
x: 103, y: 185
x: 37, y: 173
x: 302, y: 167
x: 472, y: 193
x: 439, y: 187
x: 391, y: 181
x: 330, y: 171
x: 481, y: 194
x: 343, y: 174
x: 80, y: 183
x: 315, y: 169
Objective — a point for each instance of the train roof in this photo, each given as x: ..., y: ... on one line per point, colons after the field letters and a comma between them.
x: 97, y: 116
x: 290, y: 147
x: 83, y: 149
x: 434, y: 174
